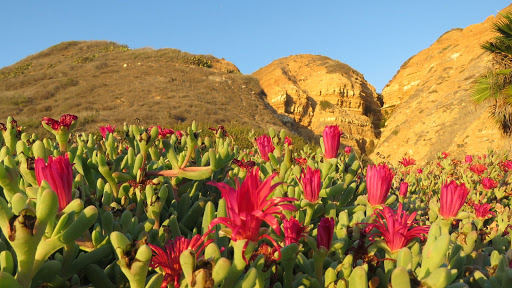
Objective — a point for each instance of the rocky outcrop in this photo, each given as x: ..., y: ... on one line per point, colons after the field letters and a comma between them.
x: 429, y: 100
x: 316, y: 91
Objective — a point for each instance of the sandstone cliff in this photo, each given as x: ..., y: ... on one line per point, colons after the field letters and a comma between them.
x: 429, y: 100
x: 316, y: 91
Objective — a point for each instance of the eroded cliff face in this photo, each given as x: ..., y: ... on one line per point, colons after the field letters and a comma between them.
x: 429, y: 100
x: 316, y: 91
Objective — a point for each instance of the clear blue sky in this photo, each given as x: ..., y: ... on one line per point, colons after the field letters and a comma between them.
x: 373, y: 37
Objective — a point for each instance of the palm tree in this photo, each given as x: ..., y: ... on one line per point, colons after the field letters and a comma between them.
x: 496, y: 85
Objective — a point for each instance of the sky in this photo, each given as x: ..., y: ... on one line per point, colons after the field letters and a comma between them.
x: 373, y: 37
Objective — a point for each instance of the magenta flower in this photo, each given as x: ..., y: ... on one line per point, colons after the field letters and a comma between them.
x: 162, y: 132
x: 293, y: 231
x: 407, y: 161
x: 506, y: 165
x: 288, y: 141
x: 301, y: 161
x: 378, y: 183
x: 324, y: 234
x: 247, y: 207
x: 468, y: 159
x: 347, y: 150
x: 311, y: 184
x: 419, y: 171
x: 179, y: 134
x: 265, y: 146
x: 445, y: 155
x: 483, y: 211
x: 58, y: 173
x: 65, y: 121
x: 478, y: 169
x: 105, y: 129
x: 168, y: 258
x: 396, y: 227
x: 489, y: 183
x: 453, y: 197
x: 246, y: 165
x: 331, y: 138
x: 404, y: 186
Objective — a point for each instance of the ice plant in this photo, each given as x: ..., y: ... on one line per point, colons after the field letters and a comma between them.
x: 489, y: 183
x: 162, y: 132
x: 445, y: 155
x: 324, y: 234
x: 404, y: 186
x: 453, y: 196
x: 293, y: 231
x: 59, y: 175
x: 348, y: 150
x: 311, y: 184
x: 419, y: 171
x: 468, y: 159
x: 506, y: 165
x: 478, y: 169
x: 331, y: 140
x: 105, y: 129
x: 407, y: 161
x: 247, y: 207
x: 265, y: 146
x: 483, y: 211
x: 288, y: 141
x: 60, y: 128
x: 378, y: 183
x: 168, y: 258
x: 396, y: 227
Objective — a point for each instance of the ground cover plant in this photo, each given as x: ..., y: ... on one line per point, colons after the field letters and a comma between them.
x: 157, y: 207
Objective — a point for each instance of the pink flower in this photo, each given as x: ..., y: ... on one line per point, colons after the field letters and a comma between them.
x: 288, y: 141
x: 301, y: 161
x: 378, y: 183
x: 324, y: 234
x: 162, y: 132
x: 311, y: 184
x: 220, y: 129
x: 246, y: 165
x: 265, y: 146
x: 169, y: 258
x: 419, y: 171
x: 488, y: 183
x: 445, y: 155
x: 506, y: 165
x: 483, y: 211
x: 59, y: 175
x: 404, y: 186
x: 395, y: 227
x: 478, y: 169
x: 453, y: 197
x: 331, y: 138
x: 468, y: 159
x: 407, y: 161
x: 293, y: 231
x: 348, y: 149
x: 178, y: 134
x: 105, y: 129
x: 65, y: 121
x: 247, y: 207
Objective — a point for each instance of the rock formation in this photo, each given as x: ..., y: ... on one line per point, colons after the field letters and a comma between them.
x: 429, y: 100
x: 316, y: 91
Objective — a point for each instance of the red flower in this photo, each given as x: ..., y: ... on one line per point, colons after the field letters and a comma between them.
x: 478, y: 169
x: 483, y: 211
x: 348, y: 149
x: 220, y: 129
x: 246, y: 165
x: 247, y: 206
x: 169, y: 257
x: 65, y: 121
x: 407, y: 161
x: 488, y: 183
x: 445, y: 155
x: 506, y: 165
x: 331, y: 139
x: 453, y: 196
x: 325, y: 231
x: 396, y: 227
x: 311, y: 185
x: 301, y: 161
x: 59, y: 175
x: 293, y: 231
x: 404, y: 186
x: 378, y: 183
x: 178, y: 134
x: 162, y: 132
x: 265, y: 146
x: 419, y: 171
x: 105, y: 129
x: 288, y: 141
x: 468, y: 159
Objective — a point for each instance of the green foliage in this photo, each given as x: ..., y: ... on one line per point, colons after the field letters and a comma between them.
x: 17, y: 71
x: 324, y: 105
x: 198, y: 61
x: 85, y: 59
